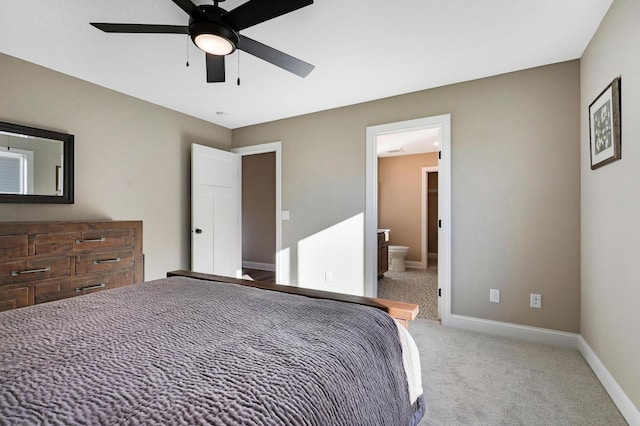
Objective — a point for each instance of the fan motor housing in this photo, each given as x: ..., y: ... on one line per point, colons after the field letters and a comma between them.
x: 212, y: 25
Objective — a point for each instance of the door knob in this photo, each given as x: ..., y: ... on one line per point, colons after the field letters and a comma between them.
x: 198, y: 231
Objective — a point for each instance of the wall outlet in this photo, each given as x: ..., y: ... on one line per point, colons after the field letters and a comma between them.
x: 328, y: 277
x: 535, y: 300
x: 494, y: 295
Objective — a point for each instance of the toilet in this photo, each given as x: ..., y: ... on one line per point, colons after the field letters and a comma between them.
x: 396, y: 258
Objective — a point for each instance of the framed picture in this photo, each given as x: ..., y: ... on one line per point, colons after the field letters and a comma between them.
x: 604, y: 126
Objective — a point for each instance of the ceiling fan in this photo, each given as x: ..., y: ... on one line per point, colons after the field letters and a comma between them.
x: 216, y: 32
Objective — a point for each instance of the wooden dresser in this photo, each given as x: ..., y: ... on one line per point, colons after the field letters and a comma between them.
x: 45, y: 261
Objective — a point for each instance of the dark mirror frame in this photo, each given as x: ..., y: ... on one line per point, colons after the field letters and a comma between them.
x: 67, y: 172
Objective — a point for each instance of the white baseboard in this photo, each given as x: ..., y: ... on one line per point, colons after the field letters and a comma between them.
x: 629, y: 411
x: 257, y: 265
x: 525, y: 332
x: 415, y: 265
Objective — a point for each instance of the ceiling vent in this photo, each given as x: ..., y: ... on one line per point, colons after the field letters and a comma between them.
x: 395, y: 151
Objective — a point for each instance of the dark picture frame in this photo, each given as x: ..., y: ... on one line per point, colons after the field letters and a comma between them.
x: 67, y: 168
x: 604, y: 126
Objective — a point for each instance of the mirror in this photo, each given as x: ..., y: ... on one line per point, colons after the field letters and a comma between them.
x: 36, y: 165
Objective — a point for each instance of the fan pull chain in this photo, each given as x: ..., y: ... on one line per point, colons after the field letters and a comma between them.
x: 238, y: 68
x: 187, y: 51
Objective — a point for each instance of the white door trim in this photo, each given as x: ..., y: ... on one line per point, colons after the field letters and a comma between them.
x: 262, y: 149
x: 444, y: 204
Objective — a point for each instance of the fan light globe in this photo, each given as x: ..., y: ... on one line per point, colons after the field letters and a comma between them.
x: 214, y: 44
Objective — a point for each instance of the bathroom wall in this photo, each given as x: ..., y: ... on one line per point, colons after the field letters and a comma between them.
x: 400, y: 199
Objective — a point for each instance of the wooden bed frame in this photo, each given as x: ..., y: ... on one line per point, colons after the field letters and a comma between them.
x: 401, y: 311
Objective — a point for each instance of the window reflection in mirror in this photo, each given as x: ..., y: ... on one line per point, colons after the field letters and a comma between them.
x: 30, y: 165
x: 36, y: 165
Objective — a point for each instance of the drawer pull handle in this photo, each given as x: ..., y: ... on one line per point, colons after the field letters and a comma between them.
x: 98, y: 262
x: 91, y: 287
x: 30, y: 271
x: 91, y: 240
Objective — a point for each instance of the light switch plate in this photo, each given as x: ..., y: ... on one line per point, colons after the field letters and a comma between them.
x: 285, y: 215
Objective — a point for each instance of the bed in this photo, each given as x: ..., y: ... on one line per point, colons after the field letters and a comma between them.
x: 198, y: 349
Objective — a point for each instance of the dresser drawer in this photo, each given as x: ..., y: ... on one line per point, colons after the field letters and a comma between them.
x: 14, y: 246
x: 52, y: 244
x: 25, y: 269
x: 108, y: 260
x: 60, y: 243
x: 50, y: 290
x: 13, y: 297
x: 46, y: 261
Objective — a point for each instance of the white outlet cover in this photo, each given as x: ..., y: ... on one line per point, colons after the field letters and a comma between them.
x: 285, y: 214
x: 494, y: 295
x: 535, y: 301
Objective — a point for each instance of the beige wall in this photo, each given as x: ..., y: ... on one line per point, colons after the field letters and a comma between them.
x: 515, y: 189
x: 610, y: 204
x: 132, y: 158
x: 515, y: 207
x: 259, y: 208
x: 400, y: 199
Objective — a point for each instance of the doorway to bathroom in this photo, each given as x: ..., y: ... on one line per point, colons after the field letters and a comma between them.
x: 408, y: 200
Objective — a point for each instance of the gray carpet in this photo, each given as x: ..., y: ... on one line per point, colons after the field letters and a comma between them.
x: 478, y: 379
x: 414, y: 286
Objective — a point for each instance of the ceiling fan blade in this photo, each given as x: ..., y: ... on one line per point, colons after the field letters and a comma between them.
x: 189, y: 8
x: 215, y: 68
x: 141, y: 28
x: 275, y: 57
x: 254, y: 12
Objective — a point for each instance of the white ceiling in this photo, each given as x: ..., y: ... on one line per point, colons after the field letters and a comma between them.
x: 409, y: 142
x: 362, y: 49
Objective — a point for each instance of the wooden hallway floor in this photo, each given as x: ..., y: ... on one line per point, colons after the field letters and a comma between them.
x: 259, y: 275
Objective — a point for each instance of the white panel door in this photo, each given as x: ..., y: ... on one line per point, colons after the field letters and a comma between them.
x: 215, y: 212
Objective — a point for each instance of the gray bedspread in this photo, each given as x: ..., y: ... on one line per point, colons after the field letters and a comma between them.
x: 184, y: 351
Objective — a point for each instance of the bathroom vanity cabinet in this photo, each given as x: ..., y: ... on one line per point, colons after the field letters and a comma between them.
x: 383, y: 252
